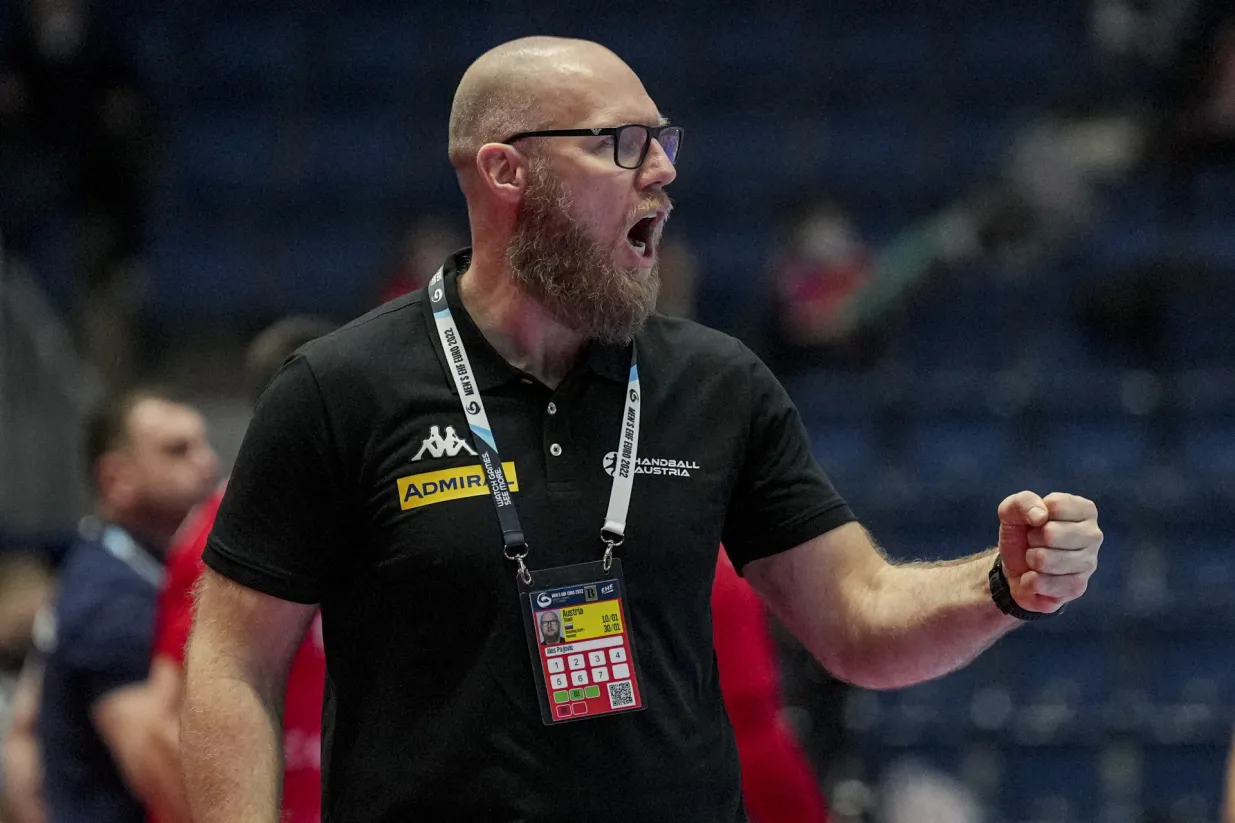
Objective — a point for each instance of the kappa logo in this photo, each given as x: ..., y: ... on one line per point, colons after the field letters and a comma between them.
x: 654, y: 465
x: 438, y: 446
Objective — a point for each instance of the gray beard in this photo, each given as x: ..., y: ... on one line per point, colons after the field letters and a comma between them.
x: 555, y: 260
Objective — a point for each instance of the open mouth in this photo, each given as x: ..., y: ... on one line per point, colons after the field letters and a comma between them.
x: 643, y: 234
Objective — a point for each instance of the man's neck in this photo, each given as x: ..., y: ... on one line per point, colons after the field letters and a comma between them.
x: 522, y: 331
x: 152, y: 537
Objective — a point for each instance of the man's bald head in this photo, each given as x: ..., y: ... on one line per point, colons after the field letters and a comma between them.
x: 530, y: 84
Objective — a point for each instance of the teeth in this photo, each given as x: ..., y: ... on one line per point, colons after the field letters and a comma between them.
x: 639, y: 245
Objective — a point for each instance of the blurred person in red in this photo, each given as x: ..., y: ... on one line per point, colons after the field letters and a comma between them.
x: 102, y: 738
x: 302, y: 716
x: 425, y: 243
x: 778, y: 785
x: 825, y: 264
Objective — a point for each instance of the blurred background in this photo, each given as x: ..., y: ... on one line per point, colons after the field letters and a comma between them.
x: 986, y: 244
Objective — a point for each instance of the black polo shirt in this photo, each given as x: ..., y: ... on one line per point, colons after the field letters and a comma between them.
x: 342, y: 495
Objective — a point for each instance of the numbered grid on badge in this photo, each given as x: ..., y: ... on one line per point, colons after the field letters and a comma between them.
x: 594, y: 667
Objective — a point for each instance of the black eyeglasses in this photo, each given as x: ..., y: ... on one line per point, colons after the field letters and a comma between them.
x: 630, y: 142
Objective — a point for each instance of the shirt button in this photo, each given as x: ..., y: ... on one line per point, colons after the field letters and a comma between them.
x: 552, y: 408
x: 555, y: 450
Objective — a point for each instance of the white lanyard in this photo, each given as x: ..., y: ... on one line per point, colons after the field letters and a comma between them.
x: 460, y: 368
x: 120, y: 545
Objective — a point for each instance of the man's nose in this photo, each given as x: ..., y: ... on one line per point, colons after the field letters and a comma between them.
x: 657, y: 170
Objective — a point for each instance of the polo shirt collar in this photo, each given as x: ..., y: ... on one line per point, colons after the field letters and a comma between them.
x: 490, y: 368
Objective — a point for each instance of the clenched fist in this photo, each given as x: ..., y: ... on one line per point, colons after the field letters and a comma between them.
x: 1049, y: 547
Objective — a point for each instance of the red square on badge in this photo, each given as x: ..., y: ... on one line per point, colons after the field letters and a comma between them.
x: 580, y: 708
x: 564, y: 710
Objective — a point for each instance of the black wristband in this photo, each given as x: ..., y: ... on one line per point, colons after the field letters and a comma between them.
x: 1002, y: 596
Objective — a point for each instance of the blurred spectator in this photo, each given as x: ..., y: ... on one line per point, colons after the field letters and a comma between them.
x: 22, y: 797
x: 820, y: 271
x: 25, y: 585
x: 101, y: 738
x: 831, y: 292
x: 426, y: 242
x: 679, y: 279
x: 302, y: 709
x: 69, y: 100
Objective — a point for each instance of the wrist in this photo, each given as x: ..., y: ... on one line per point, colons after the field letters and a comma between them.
x: 1001, y: 593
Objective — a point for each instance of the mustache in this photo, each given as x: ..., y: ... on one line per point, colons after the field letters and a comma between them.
x: 656, y: 202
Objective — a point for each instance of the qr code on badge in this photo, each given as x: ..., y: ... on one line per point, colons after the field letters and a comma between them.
x: 621, y: 694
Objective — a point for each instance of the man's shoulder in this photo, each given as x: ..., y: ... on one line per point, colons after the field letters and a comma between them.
x: 90, y: 572
x: 689, y: 342
x: 93, y: 588
x: 369, y: 336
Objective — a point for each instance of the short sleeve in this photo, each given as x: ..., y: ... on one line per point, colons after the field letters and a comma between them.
x: 782, y: 498
x: 111, y: 649
x: 281, y: 521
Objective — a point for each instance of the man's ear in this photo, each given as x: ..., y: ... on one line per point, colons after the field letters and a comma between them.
x: 502, y: 170
x: 114, y: 475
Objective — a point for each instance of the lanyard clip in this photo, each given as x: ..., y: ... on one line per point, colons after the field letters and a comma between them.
x: 520, y: 551
x: 611, y: 539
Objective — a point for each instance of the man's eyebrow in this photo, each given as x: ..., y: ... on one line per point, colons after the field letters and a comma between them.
x: 664, y: 121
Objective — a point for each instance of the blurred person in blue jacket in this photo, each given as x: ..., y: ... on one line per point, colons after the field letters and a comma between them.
x: 101, y: 741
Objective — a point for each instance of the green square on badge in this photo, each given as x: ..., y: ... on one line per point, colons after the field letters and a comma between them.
x: 561, y: 697
x: 591, y: 691
x: 576, y: 694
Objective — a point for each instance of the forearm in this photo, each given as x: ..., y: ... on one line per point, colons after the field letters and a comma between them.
x: 23, y: 765
x: 162, y: 779
x: 230, y: 750
x: 918, y: 621
x: 23, y: 799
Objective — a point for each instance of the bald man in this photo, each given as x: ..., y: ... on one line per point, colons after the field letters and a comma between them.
x: 594, y: 456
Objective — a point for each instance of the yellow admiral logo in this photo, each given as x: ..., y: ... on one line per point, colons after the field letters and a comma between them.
x: 449, y: 484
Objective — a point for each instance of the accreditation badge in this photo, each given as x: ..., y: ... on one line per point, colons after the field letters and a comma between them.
x: 578, y: 633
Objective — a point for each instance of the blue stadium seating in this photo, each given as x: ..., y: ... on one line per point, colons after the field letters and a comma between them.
x: 1051, y: 783
x: 1184, y: 781
x: 213, y: 271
